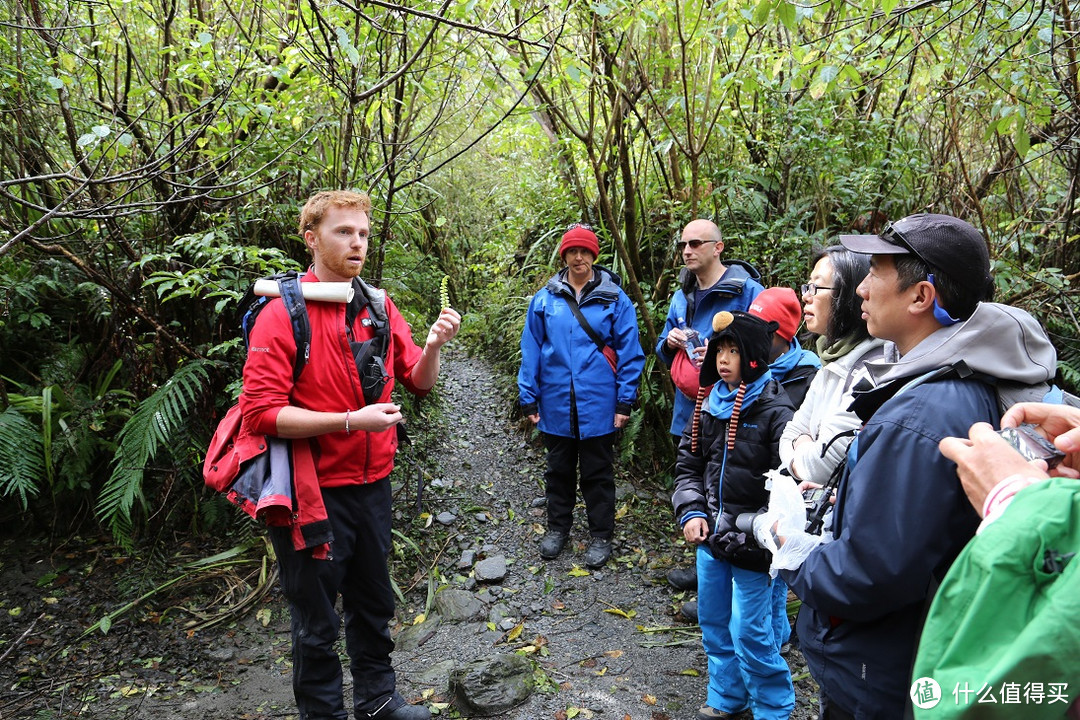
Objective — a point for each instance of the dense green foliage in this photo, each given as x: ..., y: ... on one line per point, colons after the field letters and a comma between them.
x: 153, y: 157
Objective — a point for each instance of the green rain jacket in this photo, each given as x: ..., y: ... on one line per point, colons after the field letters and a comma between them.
x: 1002, y: 639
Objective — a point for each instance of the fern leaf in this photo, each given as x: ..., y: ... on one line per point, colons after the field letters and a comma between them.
x: 151, y: 427
x: 22, y: 457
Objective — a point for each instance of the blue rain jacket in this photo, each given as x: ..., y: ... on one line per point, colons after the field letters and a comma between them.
x: 735, y: 290
x: 563, y: 374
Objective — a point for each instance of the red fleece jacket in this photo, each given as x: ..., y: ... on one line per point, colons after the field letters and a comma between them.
x: 330, y: 382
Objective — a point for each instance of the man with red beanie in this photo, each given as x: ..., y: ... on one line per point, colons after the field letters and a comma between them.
x: 581, y: 361
x: 792, y: 365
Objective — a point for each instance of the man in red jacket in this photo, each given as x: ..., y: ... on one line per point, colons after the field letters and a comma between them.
x: 349, y: 423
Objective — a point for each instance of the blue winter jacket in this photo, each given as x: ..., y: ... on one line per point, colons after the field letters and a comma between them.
x: 735, y: 290
x: 901, y: 519
x: 563, y: 374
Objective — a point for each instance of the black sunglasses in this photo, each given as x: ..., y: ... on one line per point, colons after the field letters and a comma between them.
x: 891, y: 235
x: 694, y: 244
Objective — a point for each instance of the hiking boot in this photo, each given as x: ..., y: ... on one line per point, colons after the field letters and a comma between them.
x: 402, y: 711
x: 407, y: 712
x: 598, y: 553
x: 706, y: 712
x: 689, y: 611
x: 683, y: 578
x: 552, y: 544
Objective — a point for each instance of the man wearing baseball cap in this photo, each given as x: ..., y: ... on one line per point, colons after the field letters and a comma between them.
x: 901, y: 514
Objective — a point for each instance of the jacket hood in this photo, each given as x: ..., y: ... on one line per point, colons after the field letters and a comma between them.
x: 734, y: 277
x: 998, y: 341
x: 608, y: 286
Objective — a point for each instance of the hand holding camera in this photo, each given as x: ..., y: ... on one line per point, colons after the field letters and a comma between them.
x: 987, y: 457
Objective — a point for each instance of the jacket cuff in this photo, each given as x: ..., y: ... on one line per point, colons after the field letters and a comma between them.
x: 529, y: 408
x: 623, y: 409
x: 691, y: 515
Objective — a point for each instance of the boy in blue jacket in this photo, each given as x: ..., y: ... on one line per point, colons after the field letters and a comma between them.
x: 730, y: 443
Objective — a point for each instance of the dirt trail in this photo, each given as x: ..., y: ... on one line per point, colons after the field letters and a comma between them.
x: 607, y: 642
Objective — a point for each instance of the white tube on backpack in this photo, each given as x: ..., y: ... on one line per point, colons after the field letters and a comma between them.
x: 341, y: 292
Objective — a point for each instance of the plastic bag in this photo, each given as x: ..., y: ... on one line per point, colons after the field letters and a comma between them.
x: 787, y: 513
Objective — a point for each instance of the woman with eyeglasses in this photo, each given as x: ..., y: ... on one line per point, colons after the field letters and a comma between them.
x: 833, y: 311
x: 581, y: 362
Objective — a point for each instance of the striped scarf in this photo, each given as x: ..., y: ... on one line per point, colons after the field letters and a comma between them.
x: 733, y: 423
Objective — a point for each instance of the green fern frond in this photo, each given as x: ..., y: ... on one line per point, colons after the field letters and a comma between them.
x: 151, y: 427
x: 22, y: 457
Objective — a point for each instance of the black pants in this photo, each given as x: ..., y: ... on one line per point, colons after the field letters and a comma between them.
x: 360, y: 518
x: 596, y: 457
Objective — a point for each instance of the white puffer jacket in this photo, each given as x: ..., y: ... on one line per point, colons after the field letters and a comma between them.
x: 824, y: 414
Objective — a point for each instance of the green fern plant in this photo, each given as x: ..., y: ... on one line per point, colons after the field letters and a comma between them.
x: 154, y: 425
x: 22, y: 457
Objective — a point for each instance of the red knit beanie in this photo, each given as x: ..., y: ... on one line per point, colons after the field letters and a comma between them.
x: 579, y: 236
x: 781, y: 305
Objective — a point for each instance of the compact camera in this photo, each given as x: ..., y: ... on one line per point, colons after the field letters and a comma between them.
x: 813, y: 496
x: 1028, y: 442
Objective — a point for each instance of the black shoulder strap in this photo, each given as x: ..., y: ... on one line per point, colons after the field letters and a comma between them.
x: 293, y: 297
x: 584, y: 323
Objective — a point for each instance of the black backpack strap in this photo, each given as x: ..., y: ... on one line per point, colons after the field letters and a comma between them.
x: 370, y: 355
x: 293, y: 297
x: 600, y: 345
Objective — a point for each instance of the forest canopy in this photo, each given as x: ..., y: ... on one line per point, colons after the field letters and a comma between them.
x: 154, y: 155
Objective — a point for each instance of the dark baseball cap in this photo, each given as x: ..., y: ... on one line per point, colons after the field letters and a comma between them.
x: 947, y: 244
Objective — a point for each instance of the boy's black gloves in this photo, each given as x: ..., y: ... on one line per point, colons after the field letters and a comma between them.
x: 736, y: 547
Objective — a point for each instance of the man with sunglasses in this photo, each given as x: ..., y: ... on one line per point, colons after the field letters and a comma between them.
x: 901, y: 515
x: 708, y: 286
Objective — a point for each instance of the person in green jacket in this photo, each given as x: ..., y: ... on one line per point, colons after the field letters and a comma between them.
x: 1002, y: 636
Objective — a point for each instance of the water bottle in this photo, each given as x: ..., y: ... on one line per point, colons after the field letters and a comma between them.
x: 692, y: 341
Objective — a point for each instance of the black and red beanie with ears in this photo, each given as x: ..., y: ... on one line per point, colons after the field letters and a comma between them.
x: 753, y: 337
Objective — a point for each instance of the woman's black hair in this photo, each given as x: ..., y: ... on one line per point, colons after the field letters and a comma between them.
x: 849, y: 269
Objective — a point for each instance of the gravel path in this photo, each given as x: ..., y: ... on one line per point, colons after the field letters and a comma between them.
x: 607, y: 644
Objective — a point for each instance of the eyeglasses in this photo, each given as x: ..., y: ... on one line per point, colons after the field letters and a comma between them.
x: 811, y: 289
x: 694, y: 244
x: 575, y: 226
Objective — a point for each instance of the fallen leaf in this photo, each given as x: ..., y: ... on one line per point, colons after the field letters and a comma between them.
x: 691, y: 672
x: 419, y: 619
x: 515, y: 633
x: 263, y: 616
x: 614, y: 653
x: 558, y: 605
x: 649, y: 699
x: 588, y: 663
x: 578, y: 571
x: 621, y: 613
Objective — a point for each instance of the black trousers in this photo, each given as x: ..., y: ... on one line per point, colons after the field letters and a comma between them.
x: 360, y: 518
x: 596, y: 457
